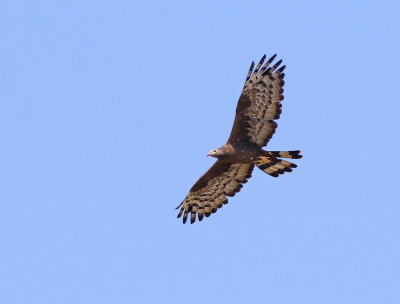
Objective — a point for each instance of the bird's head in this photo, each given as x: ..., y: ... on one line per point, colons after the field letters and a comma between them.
x: 215, y: 153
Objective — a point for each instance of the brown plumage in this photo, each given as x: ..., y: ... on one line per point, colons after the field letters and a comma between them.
x: 258, y: 107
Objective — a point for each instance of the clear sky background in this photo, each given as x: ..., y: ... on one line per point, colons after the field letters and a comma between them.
x: 107, y: 111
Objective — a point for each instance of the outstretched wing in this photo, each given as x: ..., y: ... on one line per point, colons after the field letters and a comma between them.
x: 259, y: 105
x: 210, y: 192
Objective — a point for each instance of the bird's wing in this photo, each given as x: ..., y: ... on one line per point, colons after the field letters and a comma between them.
x: 259, y: 104
x: 210, y: 192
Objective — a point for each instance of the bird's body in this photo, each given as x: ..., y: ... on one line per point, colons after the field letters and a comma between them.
x: 239, y: 153
x: 257, y: 109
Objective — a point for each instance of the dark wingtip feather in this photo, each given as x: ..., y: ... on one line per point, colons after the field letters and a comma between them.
x: 272, y: 58
x: 276, y: 64
x: 250, y: 71
x: 261, y: 61
x: 252, y: 65
x: 259, y: 65
x: 266, y: 71
x: 180, y: 212
x: 179, y: 205
x: 280, y: 70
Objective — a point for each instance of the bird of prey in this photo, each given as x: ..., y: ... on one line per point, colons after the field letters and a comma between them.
x: 258, y: 107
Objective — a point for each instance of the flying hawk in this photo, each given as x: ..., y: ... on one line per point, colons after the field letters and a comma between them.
x: 258, y: 107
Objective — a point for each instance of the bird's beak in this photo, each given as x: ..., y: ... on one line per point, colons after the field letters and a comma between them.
x: 209, y: 154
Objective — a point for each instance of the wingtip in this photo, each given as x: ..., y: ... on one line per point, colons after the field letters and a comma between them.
x: 272, y: 58
x: 280, y: 70
x: 179, y: 205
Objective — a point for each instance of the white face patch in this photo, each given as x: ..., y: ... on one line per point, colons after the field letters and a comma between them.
x: 213, y: 153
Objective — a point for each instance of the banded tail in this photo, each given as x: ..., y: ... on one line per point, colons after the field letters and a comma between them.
x: 269, y: 162
x: 285, y: 154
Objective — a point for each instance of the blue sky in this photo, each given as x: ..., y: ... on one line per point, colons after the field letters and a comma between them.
x: 107, y: 111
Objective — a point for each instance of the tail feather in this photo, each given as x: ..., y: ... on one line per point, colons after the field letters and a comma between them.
x: 274, y: 166
x: 295, y: 154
